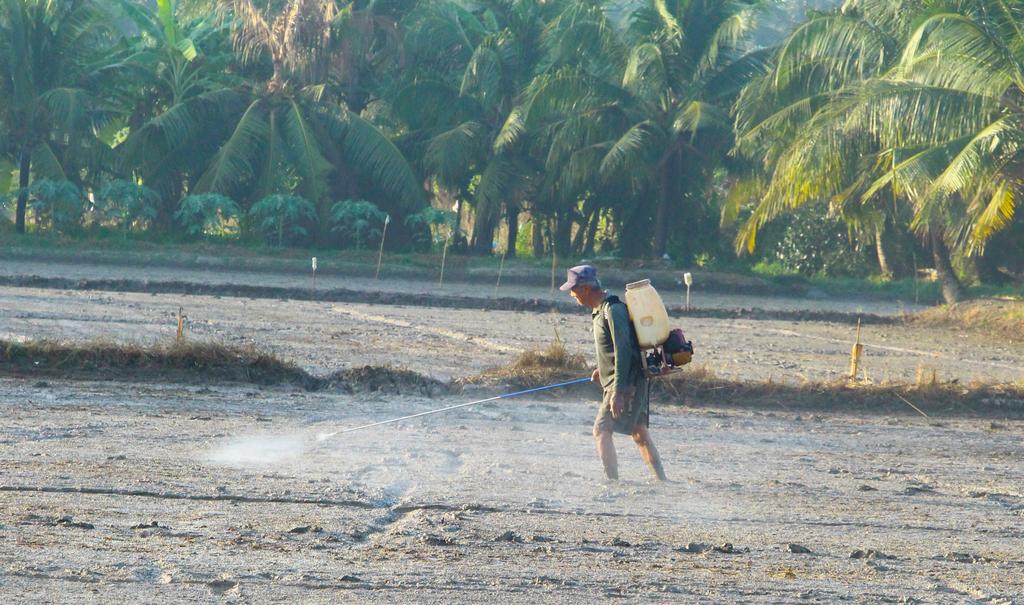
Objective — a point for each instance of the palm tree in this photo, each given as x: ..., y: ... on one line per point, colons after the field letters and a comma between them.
x: 296, y: 118
x: 466, y: 73
x: 954, y: 110
x: 50, y: 55
x: 644, y: 104
x: 814, y: 120
x: 934, y: 121
x: 814, y: 69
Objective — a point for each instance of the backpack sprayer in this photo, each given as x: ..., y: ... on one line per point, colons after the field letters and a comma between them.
x: 663, y: 350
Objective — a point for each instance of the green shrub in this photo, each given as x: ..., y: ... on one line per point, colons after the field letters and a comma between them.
x: 428, y: 225
x: 208, y: 214
x: 812, y: 244
x: 283, y: 218
x: 357, y: 221
x: 126, y: 205
x: 57, y: 205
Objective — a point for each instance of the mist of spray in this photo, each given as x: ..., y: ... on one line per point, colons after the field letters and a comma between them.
x: 260, y: 450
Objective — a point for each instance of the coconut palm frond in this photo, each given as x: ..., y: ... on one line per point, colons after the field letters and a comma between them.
x: 646, y: 75
x: 511, y: 130
x: 235, y: 161
x: 951, y: 50
x: 699, y: 115
x: 453, y: 154
x: 46, y: 164
x: 731, y: 31
x: 373, y: 154
x: 303, y: 150
x: 996, y: 215
x: 633, y: 152
x: 846, y: 49
x: 482, y: 76
x: 978, y: 152
x: 905, y: 113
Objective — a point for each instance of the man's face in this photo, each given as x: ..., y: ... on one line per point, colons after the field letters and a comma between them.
x: 581, y: 294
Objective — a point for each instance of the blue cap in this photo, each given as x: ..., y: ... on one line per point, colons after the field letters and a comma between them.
x: 580, y: 275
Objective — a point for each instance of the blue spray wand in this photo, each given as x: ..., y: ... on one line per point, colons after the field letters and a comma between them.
x: 326, y: 436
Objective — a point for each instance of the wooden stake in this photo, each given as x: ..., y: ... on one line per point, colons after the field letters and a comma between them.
x: 855, y: 354
x: 181, y: 326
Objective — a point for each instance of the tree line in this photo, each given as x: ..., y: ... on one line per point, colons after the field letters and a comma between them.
x: 869, y: 133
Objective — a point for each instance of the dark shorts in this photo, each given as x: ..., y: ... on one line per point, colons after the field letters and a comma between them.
x: 637, y: 413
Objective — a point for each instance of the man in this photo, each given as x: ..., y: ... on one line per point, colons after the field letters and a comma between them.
x: 624, y: 407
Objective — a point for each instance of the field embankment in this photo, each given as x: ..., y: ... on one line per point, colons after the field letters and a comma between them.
x: 695, y: 386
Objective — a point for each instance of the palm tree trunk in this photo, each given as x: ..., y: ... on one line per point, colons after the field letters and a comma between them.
x: 661, y: 213
x: 24, y: 170
x: 952, y: 290
x: 668, y: 184
x: 512, y: 218
x: 483, y: 234
x: 538, y: 236
x: 563, y: 234
x: 579, y: 240
x: 589, y: 245
x: 883, y: 257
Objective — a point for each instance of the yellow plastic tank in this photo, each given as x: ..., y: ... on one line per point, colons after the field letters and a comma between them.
x: 648, y: 314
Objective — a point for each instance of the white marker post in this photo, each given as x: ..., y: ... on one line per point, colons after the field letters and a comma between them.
x: 501, y: 269
x: 688, y: 280
x: 444, y: 258
x: 554, y: 265
x: 380, y: 255
x: 314, y: 273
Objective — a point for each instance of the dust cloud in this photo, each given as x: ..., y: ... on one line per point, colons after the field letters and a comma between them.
x: 260, y: 450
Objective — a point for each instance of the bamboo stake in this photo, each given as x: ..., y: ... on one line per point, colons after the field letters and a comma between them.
x: 181, y: 325
x: 855, y: 354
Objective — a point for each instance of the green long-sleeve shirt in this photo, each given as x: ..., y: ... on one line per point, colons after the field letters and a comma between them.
x: 618, y: 352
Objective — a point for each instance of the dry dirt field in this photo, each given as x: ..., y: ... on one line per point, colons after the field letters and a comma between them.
x: 169, y: 493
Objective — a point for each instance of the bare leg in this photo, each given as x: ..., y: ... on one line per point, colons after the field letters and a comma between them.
x: 606, y: 450
x: 648, y: 452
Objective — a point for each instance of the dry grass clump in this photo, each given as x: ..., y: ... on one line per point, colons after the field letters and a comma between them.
x: 129, y: 361
x: 537, y: 368
x: 1003, y: 318
x: 387, y: 379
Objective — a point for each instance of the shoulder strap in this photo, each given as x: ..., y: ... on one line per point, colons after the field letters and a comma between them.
x: 611, y: 300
